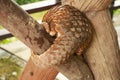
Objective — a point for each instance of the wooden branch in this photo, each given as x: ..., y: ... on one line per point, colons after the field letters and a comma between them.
x: 103, y: 56
x: 33, y: 72
x: 20, y: 24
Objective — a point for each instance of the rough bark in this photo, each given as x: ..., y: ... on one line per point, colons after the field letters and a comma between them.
x: 103, y: 56
x: 20, y: 24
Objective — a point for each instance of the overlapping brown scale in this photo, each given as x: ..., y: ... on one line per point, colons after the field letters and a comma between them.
x: 76, y: 34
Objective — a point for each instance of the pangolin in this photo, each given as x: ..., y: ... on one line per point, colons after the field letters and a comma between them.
x: 74, y: 33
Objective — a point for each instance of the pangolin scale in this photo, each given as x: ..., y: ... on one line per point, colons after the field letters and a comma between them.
x: 74, y: 33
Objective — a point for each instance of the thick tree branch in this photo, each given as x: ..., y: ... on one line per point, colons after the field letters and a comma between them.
x: 20, y: 24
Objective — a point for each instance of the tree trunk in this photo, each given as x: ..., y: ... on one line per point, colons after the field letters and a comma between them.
x: 103, y: 56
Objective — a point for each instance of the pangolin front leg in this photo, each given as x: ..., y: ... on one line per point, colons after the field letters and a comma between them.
x: 74, y: 33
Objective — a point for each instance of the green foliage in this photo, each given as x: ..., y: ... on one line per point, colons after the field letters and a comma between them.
x: 21, y: 2
x: 8, y: 40
x: 116, y: 11
x: 38, y: 15
x: 1, y: 27
x: 9, y: 69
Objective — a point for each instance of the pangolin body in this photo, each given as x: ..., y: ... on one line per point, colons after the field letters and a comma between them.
x: 74, y: 34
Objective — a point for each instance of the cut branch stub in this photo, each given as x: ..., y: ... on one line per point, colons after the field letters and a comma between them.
x: 74, y: 33
x: 90, y: 5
